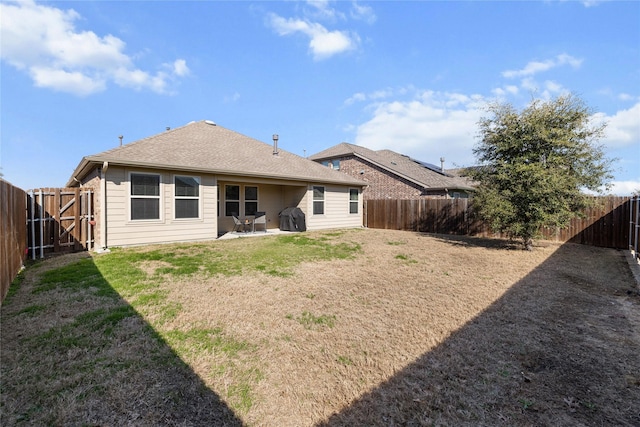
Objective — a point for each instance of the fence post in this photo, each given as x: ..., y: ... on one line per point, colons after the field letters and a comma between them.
x: 42, y: 207
x: 32, y: 204
x: 57, y: 219
x: 637, y: 226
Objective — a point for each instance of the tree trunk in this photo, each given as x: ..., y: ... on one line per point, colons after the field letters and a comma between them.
x: 528, y: 243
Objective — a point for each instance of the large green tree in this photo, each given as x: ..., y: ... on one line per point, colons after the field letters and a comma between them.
x: 536, y: 164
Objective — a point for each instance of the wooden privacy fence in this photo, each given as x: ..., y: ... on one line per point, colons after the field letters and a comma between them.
x: 59, y: 220
x: 13, y: 233
x: 606, y: 224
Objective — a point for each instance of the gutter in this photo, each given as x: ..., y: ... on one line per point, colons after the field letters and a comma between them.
x: 86, y: 161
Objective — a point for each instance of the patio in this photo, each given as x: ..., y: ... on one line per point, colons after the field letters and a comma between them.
x: 239, y: 234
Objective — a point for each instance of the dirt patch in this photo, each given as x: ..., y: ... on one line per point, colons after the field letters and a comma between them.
x: 416, y: 330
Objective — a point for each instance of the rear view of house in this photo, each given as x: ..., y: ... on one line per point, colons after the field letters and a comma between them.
x: 187, y: 184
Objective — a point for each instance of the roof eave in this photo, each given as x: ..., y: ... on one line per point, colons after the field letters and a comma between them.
x: 79, y: 172
x: 84, y: 167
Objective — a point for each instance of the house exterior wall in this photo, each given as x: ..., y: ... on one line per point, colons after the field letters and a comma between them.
x: 122, y: 231
x: 273, y: 197
x: 336, y: 209
x: 383, y: 184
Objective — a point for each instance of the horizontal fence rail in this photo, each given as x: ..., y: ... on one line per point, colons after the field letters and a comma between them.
x: 605, y: 224
x: 13, y: 233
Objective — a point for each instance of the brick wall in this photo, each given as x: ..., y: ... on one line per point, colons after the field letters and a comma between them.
x: 382, y: 184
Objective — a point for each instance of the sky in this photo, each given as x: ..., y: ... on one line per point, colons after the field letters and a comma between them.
x: 414, y: 77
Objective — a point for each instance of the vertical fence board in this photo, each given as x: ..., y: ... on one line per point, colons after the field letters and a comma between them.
x: 76, y: 217
x: 13, y: 233
x: 56, y: 217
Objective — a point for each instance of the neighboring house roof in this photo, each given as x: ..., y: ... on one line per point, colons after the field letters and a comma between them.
x: 420, y: 173
x: 205, y: 147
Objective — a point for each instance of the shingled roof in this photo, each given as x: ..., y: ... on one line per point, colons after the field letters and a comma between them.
x: 205, y: 147
x: 398, y: 164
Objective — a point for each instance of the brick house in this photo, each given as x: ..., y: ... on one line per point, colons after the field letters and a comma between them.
x: 391, y: 175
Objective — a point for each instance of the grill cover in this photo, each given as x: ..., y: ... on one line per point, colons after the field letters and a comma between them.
x: 292, y: 219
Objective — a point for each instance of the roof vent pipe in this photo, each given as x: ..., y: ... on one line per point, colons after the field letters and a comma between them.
x: 275, y: 144
x: 442, y: 164
x: 120, y: 137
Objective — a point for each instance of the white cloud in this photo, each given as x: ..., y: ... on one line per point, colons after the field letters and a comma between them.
x: 322, y: 10
x: 378, y: 95
x: 542, y: 89
x: 363, y: 13
x: 624, y: 188
x: 43, y: 41
x: 356, y: 97
x: 64, y: 81
x: 623, y: 128
x: 322, y: 42
x: 503, y: 92
x: 427, y: 127
x: 592, y: 3
x: 535, y: 67
x: 180, y: 68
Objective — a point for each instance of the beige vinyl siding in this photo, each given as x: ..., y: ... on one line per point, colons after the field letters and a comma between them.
x: 296, y: 197
x: 121, y: 231
x: 272, y: 201
x: 336, y: 209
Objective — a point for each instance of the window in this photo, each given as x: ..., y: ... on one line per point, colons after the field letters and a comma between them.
x: 250, y: 200
x: 332, y: 164
x: 145, y: 196
x: 187, y: 197
x: 231, y: 200
x: 353, y: 201
x: 318, y: 200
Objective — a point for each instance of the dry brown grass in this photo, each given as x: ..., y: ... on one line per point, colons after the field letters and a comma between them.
x: 416, y: 330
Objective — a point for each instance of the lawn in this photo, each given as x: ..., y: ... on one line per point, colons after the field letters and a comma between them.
x: 355, y: 327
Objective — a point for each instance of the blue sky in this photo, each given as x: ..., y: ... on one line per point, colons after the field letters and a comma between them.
x: 409, y: 76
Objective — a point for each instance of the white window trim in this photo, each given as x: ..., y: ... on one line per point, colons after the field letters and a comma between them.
x: 240, y: 206
x: 159, y: 196
x: 257, y: 200
x: 324, y: 199
x: 357, y: 202
x: 198, y: 198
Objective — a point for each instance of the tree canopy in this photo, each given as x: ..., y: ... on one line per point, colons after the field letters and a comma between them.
x: 536, y: 164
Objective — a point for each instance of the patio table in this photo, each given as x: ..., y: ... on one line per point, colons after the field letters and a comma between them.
x: 247, y: 222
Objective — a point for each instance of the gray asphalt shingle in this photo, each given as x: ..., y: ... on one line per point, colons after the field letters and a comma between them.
x: 206, y: 147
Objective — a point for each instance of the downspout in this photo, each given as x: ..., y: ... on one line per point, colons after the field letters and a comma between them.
x: 103, y: 208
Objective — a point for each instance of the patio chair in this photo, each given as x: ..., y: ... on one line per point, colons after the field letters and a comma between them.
x: 237, y: 224
x: 260, y: 219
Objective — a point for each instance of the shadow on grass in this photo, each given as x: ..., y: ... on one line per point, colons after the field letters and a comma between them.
x: 75, y: 353
x: 559, y: 348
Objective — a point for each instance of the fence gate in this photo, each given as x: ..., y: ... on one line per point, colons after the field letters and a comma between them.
x: 59, y: 220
